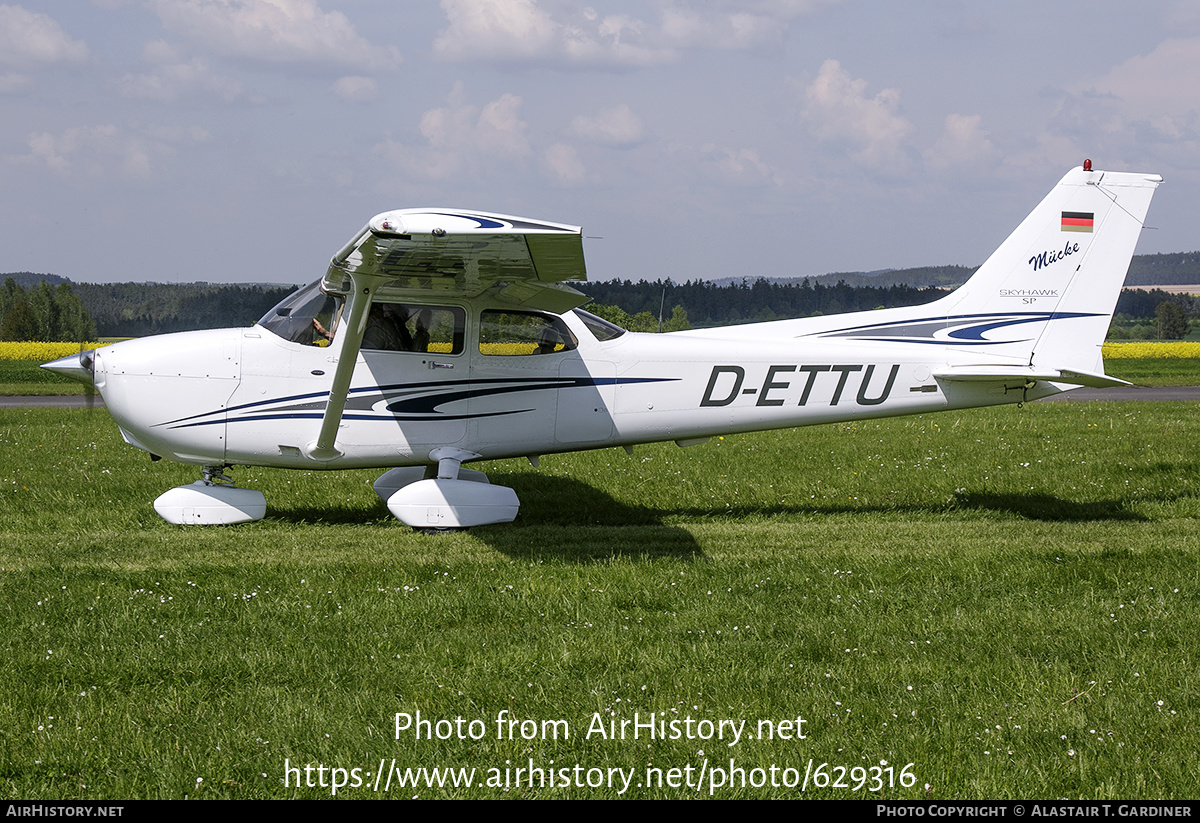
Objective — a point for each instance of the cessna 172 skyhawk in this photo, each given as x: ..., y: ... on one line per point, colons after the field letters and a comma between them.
x: 439, y: 337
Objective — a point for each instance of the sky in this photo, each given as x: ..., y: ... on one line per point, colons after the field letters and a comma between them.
x: 248, y: 140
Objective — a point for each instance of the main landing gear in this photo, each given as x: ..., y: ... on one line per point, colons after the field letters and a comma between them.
x: 452, y: 498
x: 456, y: 498
x: 215, y: 500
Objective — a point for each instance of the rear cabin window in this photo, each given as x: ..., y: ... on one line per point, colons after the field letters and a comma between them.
x: 505, y: 333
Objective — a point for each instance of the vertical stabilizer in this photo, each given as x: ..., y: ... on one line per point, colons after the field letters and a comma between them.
x: 1047, y: 295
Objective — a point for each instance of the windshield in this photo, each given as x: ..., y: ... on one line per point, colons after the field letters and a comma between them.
x: 600, y: 328
x: 308, y: 316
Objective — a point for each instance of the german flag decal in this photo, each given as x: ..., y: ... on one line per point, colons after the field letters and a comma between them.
x: 1077, y: 221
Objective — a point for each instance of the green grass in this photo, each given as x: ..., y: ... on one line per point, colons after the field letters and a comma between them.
x: 22, y: 378
x: 1006, y: 599
x: 1159, y: 371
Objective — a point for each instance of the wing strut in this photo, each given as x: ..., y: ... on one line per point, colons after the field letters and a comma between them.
x: 349, y: 339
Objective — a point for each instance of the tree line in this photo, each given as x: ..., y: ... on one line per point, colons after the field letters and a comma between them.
x: 141, y: 309
x: 74, y: 311
x: 708, y: 304
x: 45, y: 313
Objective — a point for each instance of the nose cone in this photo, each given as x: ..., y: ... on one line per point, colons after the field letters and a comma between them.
x: 79, y: 367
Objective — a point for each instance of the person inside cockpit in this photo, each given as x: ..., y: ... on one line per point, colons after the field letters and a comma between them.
x: 387, y: 328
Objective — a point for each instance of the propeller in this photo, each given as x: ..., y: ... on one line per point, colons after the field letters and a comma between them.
x: 87, y: 360
x: 79, y: 367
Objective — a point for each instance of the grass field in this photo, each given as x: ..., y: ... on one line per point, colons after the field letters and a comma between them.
x: 1155, y: 371
x: 990, y: 604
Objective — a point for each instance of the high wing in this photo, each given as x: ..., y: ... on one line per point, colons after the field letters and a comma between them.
x: 467, y: 253
x: 448, y: 251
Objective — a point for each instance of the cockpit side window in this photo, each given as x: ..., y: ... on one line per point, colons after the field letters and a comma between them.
x: 522, y: 333
x: 308, y: 316
x: 415, y: 328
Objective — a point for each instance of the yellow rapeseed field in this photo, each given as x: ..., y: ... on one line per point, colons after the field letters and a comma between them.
x: 1147, y: 350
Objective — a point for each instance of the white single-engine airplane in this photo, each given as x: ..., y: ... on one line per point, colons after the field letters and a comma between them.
x: 439, y: 337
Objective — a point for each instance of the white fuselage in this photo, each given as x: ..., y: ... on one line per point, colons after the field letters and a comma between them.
x: 246, y: 396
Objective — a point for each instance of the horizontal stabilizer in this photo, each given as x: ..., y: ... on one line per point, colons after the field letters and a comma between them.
x: 999, y: 374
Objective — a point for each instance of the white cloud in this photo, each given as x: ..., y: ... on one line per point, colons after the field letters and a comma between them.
x: 1050, y: 153
x: 738, y: 166
x: 28, y: 38
x: 13, y: 82
x: 963, y: 143
x: 563, y: 165
x: 274, y: 31
x: 501, y: 127
x: 501, y: 28
x: 520, y: 30
x: 94, y: 148
x: 839, y: 110
x: 529, y: 31
x: 617, y: 126
x: 464, y: 138
x: 1161, y: 88
x: 356, y: 89
x: 497, y: 129
x: 1145, y: 110
x: 173, y: 78
x: 782, y: 9
x: 108, y: 152
x: 688, y: 28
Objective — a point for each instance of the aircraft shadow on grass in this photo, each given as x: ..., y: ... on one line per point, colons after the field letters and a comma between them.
x: 605, y: 527
x: 1032, y: 506
x: 548, y: 505
x: 1047, y: 507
